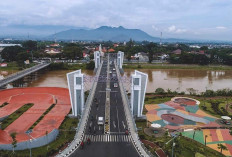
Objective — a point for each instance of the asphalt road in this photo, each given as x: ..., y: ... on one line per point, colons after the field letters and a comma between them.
x: 115, y: 144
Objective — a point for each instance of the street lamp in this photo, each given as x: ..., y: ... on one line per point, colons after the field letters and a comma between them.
x: 30, y: 146
x: 173, y: 145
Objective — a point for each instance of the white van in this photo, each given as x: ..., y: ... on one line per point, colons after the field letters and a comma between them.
x: 100, y: 121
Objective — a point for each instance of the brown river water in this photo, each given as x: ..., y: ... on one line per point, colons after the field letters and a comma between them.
x: 176, y: 80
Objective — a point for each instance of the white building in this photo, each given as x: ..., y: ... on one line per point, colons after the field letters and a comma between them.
x: 120, y: 57
x: 138, y: 90
x: 97, y: 59
x: 76, y: 91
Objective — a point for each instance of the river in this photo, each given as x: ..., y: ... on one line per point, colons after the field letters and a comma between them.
x: 176, y: 80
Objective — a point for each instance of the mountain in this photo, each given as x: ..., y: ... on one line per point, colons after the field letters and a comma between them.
x: 19, y: 31
x: 104, y: 33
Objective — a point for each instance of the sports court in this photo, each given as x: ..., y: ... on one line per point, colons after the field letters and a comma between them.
x: 184, y: 114
x: 42, y: 98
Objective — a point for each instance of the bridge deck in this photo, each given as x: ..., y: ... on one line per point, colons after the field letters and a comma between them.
x: 23, y: 73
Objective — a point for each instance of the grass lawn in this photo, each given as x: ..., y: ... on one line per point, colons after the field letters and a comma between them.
x: 156, y: 99
x: 11, y: 118
x: 15, y: 67
x: 66, y: 135
x: 206, y: 102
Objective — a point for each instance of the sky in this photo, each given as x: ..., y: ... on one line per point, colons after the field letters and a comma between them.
x: 188, y: 19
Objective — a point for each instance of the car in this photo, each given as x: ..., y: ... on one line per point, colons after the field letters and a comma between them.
x: 113, y: 69
x: 100, y: 121
x: 115, y: 85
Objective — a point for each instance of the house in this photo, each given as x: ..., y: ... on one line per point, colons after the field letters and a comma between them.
x: 3, y: 65
x: 141, y: 56
x: 111, y: 50
x: 177, y: 52
x: 52, y: 51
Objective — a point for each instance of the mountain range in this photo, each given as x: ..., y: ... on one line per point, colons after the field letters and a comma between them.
x: 104, y: 33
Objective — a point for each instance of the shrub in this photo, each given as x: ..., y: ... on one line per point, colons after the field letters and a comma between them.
x: 159, y: 91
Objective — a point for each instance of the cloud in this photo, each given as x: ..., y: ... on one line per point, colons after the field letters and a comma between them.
x: 221, y: 27
x: 173, y: 29
x: 155, y: 28
x: 152, y: 16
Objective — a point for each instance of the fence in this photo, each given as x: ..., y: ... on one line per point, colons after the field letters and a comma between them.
x: 34, y: 143
x: 83, y: 121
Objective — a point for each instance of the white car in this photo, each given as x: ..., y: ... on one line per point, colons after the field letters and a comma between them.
x: 115, y: 85
x: 100, y: 121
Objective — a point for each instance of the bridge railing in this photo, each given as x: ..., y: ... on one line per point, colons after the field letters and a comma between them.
x: 83, y: 120
x: 21, y: 73
x: 131, y: 121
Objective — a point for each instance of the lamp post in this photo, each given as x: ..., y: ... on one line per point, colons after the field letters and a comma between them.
x: 30, y: 146
x: 173, y: 145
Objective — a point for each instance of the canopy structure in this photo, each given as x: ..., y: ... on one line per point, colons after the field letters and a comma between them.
x: 225, y: 118
x: 155, y: 125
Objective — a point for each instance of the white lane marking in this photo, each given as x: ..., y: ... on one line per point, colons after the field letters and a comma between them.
x: 118, y: 119
x: 123, y: 124
x: 99, y: 127
x: 114, y: 124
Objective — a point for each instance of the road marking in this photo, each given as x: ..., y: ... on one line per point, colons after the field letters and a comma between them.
x: 123, y: 124
x: 99, y: 128
x: 114, y: 124
x: 118, y: 119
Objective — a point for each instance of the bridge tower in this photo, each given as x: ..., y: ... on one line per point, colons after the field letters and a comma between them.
x: 138, y: 90
x: 76, y: 91
x: 97, y: 59
x: 120, y: 57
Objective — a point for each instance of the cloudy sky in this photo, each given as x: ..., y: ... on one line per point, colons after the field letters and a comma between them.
x: 191, y: 19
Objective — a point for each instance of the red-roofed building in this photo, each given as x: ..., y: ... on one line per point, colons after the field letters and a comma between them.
x: 177, y: 52
x: 111, y: 50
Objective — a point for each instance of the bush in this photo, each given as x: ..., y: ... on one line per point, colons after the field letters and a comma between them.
x: 159, y: 91
x: 90, y: 65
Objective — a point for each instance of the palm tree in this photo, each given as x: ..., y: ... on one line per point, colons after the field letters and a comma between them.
x: 222, y: 147
x: 195, y: 129
x: 14, y: 141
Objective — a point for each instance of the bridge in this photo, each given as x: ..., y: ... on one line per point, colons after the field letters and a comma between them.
x: 111, y: 102
x: 23, y: 73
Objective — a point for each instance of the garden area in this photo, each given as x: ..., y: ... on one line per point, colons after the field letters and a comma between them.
x: 184, y: 147
x: 215, y: 103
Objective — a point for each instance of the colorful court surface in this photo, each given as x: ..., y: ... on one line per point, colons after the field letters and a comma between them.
x: 179, y: 113
x: 213, y: 137
x: 183, y: 113
x: 42, y: 98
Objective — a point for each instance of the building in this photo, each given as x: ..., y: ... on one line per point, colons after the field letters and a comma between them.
x: 120, y: 57
x: 141, y: 56
x: 76, y: 91
x: 177, y: 52
x: 138, y: 90
x: 97, y: 59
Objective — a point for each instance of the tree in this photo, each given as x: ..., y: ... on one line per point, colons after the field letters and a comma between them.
x: 10, y: 53
x: 30, y: 45
x: 204, y: 48
x: 90, y: 65
x: 14, y: 141
x: 159, y: 91
x: 72, y: 52
x: 22, y: 56
x: 222, y: 147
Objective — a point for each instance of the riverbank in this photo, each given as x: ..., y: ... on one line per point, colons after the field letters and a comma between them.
x: 15, y: 67
x: 175, y: 66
